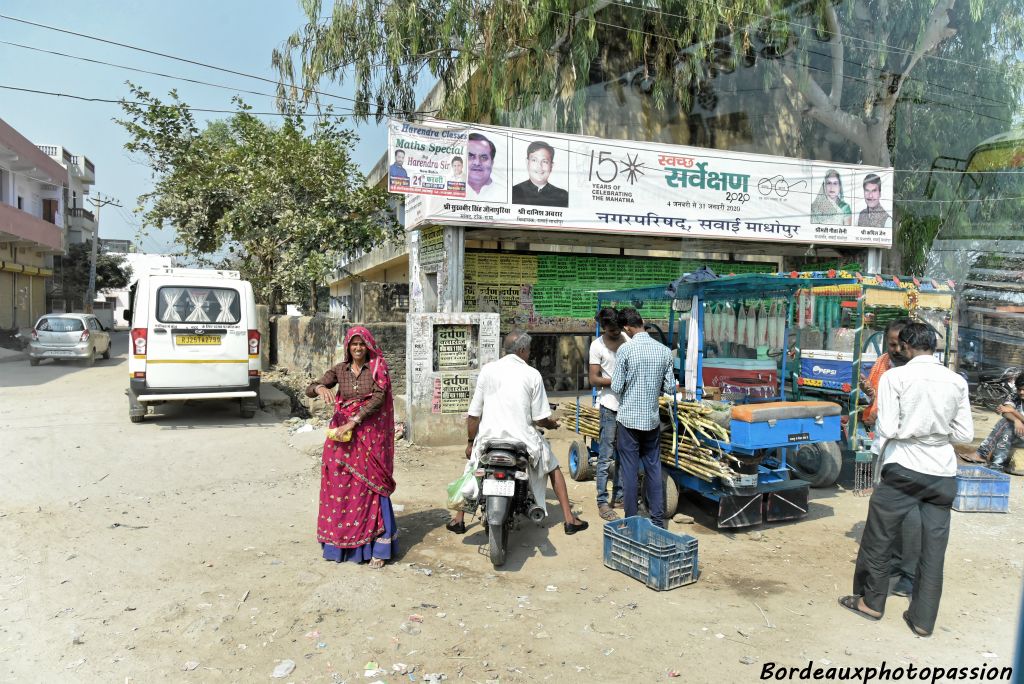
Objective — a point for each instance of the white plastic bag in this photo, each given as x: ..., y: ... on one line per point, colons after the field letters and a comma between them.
x: 464, y: 488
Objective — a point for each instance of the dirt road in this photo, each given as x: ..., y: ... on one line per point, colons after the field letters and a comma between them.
x: 183, y: 549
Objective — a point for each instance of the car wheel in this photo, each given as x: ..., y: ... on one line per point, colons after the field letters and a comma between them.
x: 33, y: 362
x: 136, y: 409
x: 91, y: 359
x: 106, y: 352
x: 247, y: 408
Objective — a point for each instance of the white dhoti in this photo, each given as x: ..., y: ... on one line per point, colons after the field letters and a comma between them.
x: 542, y: 461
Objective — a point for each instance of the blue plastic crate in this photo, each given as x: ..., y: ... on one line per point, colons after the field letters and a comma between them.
x: 658, y: 558
x: 981, y: 490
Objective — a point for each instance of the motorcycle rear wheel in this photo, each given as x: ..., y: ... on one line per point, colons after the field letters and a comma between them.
x: 498, y: 539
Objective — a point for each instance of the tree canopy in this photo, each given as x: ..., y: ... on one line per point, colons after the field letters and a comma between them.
x: 284, y: 200
x: 844, y: 67
x: 845, y: 63
x: 72, y: 282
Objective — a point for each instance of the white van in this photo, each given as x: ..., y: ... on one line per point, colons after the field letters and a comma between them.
x: 193, y: 336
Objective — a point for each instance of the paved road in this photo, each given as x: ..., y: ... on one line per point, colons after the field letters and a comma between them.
x: 102, y: 518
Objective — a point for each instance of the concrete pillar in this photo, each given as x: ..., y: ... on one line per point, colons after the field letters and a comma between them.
x: 451, y: 275
x: 874, y: 264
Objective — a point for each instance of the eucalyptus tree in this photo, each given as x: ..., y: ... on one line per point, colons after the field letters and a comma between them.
x: 846, y: 66
x: 284, y: 200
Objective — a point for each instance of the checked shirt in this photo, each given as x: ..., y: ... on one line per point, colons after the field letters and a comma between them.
x: 643, y: 370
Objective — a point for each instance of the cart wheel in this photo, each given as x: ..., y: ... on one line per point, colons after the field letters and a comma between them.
x: 819, y: 463
x: 579, y: 462
x: 671, y: 494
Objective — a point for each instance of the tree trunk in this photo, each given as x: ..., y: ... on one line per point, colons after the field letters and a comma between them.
x: 313, y: 299
x: 875, y: 144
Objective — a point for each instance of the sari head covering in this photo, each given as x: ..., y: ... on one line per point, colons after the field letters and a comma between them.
x: 358, y: 474
x: 826, y: 210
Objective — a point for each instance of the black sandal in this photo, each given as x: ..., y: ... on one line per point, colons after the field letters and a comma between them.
x: 850, y: 604
x: 914, y: 628
x: 573, y: 528
x: 456, y: 527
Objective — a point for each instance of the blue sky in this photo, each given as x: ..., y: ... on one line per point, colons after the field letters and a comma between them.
x: 226, y: 33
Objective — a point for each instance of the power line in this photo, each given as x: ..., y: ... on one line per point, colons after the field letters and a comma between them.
x: 607, y: 143
x: 671, y: 38
x: 174, y: 57
x: 863, y: 41
x: 84, y: 98
x: 137, y: 70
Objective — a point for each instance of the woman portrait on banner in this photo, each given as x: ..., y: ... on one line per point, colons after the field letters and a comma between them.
x: 356, y: 521
x: 829, y: 206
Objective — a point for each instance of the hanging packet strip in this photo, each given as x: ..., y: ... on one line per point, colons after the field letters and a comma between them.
x: 762, y: 326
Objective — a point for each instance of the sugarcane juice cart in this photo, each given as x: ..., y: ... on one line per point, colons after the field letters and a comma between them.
x: 840, y: 335
x: 732, y: 337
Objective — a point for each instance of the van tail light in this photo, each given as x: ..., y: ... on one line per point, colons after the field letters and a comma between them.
x: 35, y: 335
x: 254, y: 374
x: 84, y: 337
x: 254, y: 343
x: 139, y: 341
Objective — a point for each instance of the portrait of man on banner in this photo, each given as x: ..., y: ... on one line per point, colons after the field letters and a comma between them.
x: 873, y: 215
x: 537, y: 189
x: 486, y: 164
x: 397, y: 168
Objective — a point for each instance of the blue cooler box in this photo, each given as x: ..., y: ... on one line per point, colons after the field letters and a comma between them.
x: 830, y: 369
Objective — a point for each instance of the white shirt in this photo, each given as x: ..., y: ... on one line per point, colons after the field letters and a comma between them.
x: 509, y: 397
x: 923, y: 409
x: 495, y: 191
x: 601, y: 355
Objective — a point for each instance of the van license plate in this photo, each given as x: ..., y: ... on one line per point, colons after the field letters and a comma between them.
x: 499, y: 487
x: 197, y: 339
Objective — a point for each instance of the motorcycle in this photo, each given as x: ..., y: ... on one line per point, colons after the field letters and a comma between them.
x: 504, y: 480
x: 995, y: 391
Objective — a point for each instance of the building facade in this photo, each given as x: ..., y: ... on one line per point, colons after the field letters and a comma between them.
x: 80, y: 222
x: 33, y: 211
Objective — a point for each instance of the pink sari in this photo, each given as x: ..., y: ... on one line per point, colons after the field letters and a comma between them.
x: 356, y: 521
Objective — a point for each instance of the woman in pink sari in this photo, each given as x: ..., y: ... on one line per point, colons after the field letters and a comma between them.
x: 356, y: 521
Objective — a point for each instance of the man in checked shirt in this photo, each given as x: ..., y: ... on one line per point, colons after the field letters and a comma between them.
x: 643, y: 370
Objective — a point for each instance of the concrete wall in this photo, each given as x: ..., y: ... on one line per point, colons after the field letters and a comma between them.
x: 379, y: 302
x: 311, y: 345
x: 438, y: 398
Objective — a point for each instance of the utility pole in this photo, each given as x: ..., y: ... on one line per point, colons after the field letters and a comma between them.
x: 98, y: 202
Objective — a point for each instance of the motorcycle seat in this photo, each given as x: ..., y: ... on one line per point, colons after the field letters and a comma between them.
x: 506, y: 445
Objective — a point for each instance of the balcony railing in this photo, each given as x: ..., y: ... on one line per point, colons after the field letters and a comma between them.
x: 81, y: 161
x: 48, y: 150
x: 79, y: 212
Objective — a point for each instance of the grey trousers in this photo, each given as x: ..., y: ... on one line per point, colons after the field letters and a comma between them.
x: 900, y: 491
x: 907, y: 551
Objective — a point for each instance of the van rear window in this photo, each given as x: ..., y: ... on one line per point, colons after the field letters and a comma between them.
x: 198, y: 305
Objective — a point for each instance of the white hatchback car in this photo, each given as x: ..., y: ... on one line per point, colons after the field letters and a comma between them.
x: 69, y: 336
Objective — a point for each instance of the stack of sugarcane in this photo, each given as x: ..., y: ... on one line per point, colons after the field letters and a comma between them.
x: 694, y: 457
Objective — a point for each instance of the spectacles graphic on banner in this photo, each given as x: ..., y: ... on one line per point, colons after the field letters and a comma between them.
x: 778, y: 185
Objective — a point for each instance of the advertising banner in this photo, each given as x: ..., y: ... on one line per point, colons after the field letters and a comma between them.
x: 486, y: 175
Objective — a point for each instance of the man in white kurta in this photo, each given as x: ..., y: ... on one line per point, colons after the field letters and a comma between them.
x: 923, y: 409
x: 509, y: 402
